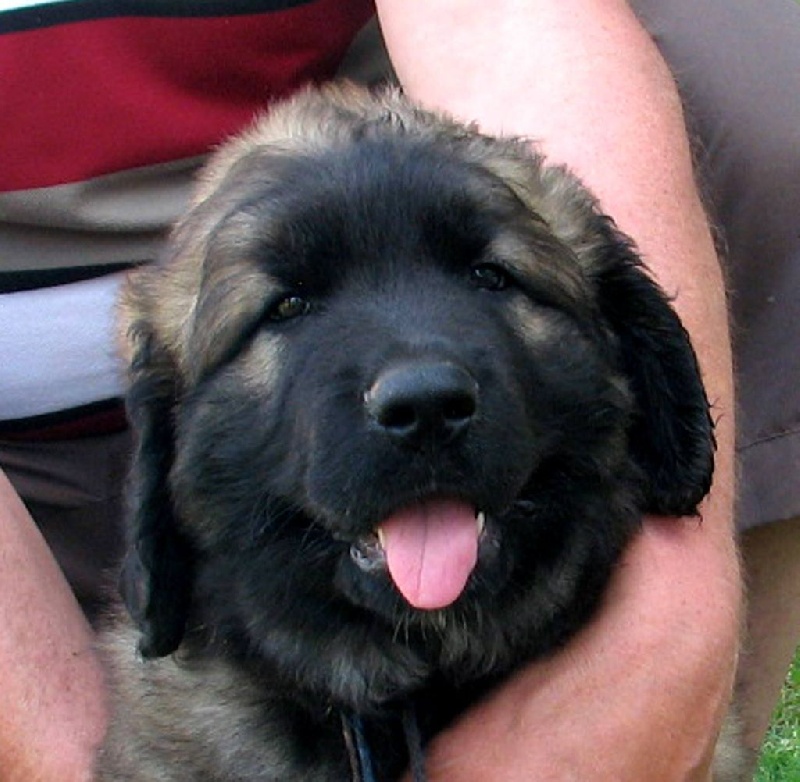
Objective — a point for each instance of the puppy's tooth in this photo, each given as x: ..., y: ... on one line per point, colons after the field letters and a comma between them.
x: 480, y: 521
x: 381, y: 537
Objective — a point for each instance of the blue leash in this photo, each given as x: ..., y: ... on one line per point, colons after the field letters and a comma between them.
x: 361, y: 756
x: 367, y: 772
x: 416, y: 754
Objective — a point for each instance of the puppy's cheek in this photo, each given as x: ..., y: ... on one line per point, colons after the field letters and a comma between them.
x: 534, y: 327
x: 263, y: 363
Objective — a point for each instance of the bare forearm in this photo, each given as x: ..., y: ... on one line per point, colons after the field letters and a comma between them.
x: 583, y: 79
x: 51, y: 694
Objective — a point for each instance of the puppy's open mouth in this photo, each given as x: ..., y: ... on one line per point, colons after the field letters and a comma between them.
x: 429, y: 548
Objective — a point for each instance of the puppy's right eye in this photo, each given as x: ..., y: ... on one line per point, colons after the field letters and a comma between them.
x: 490, y: 277
x: 287, y: 308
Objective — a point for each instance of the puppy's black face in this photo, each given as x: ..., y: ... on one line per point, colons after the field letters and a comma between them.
x: 427, y: 369
x: 406, y: 441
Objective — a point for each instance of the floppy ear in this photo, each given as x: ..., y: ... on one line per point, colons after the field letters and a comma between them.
x: 672, y: 437
x: 156, y: 579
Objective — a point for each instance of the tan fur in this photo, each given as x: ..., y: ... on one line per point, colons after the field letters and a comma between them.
x: 221, y: 713
x: 313, y: 120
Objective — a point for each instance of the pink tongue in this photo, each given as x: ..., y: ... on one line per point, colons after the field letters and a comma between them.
x: 431, y: 549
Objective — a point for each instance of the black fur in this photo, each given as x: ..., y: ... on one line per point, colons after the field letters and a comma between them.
x: 260, y: 465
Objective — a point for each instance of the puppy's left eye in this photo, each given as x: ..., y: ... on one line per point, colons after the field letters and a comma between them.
x: 289, y: 307
x: 490, y: 277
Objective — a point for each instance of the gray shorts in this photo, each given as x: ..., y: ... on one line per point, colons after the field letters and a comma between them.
x: 738, y: 66
x: 74, y: 490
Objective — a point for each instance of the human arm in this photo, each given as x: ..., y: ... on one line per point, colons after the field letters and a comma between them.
x: 640, y: 693
x: 52, y: 708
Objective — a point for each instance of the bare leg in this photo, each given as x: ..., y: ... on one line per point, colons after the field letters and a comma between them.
x: 771, y: 556
x: 52, y: 711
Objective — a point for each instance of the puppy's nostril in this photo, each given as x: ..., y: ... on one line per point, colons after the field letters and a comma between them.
x: 397, y: 417
x: 427, y: 401
x: 459, y: 408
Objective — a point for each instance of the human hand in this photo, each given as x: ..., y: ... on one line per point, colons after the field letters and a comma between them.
x: 638, y: 695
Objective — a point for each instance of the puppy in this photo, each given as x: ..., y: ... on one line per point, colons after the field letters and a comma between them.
x: 402, y: 394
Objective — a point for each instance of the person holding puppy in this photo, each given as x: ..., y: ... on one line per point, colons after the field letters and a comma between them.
x: 641, y: 692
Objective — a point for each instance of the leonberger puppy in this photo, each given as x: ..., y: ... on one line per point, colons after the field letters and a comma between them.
x: 402, y: 393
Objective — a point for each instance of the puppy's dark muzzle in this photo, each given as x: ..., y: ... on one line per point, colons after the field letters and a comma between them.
x: 422, y: 402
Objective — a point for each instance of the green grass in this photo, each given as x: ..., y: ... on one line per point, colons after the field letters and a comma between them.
x: 780, y: 757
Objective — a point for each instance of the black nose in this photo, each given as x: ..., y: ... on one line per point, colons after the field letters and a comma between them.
x: 418, y: 402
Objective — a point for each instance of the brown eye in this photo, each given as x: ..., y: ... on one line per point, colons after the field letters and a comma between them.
x: 289, y: 307
x: 490, y: 277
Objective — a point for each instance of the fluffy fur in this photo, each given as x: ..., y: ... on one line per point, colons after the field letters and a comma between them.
x: 367, y: 308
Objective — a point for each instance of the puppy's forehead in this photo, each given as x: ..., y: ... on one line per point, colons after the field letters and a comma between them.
x: 371, y: 201
x: 306, y: 222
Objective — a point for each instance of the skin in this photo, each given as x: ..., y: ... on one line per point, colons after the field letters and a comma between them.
x: 52, y: 710
x: 771, y: 557
x: 640, y: 693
